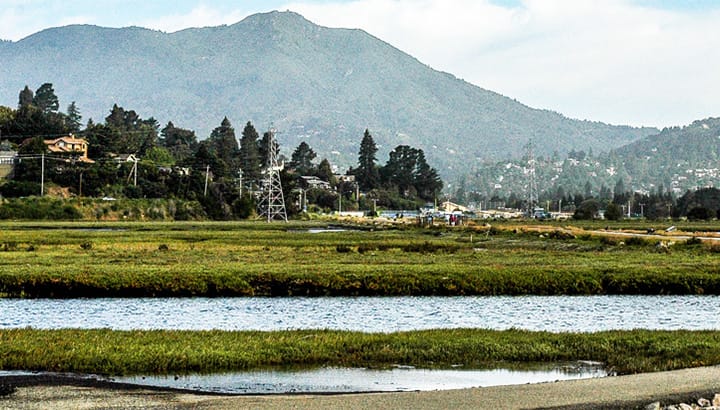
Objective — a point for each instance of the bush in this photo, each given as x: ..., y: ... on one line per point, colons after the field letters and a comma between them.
x: 428, y: 247
x: 635, y: 241
x: 7, y: 389
x: 607, y: 240
x: 364, y: 247
x: 39, y: 208
x: 694, y: 241
x: 700, y: 213
x: 343, y: 249
x: 16, y: 189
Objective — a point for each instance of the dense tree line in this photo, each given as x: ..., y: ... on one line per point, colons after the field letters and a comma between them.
x: 223, y: 171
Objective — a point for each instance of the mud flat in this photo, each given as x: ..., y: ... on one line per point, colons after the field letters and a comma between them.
x: 621, y: 392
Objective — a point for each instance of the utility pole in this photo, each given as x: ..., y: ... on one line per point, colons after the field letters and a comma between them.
x: 135, y: 173
x: 532, y: 183
x: 207, y: 176
x: 642, y: 209
x: 240, y: 175
x: 42, y: 175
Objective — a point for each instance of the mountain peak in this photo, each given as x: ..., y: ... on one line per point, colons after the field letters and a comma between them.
x: 317, y: 84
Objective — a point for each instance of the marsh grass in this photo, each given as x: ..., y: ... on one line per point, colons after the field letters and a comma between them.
x: 111, y: 352
x: 240, y: 259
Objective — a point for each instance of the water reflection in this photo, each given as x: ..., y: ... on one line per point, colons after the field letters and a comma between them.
x: 344, y: 380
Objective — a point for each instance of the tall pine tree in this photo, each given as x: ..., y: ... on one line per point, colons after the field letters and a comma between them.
x: 45, y: 99
x: 224, y: 144
x: 249, y: 154
x: 367, y: 174
x: 302, y: 158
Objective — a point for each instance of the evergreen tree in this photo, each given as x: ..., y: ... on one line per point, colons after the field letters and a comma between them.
x: 367, y: 174
x: 26, y: 97
x: 181, y: 143
x: 619, y: 190
x: 301, y: 159
x: 613, y: 212
x: 74, y: 119
x: 426, y: 180
x: 224, y: 144
x: 399, y: 171
x: 45, y: 99
x: 263, y: 150
x: 249, y: 154
x: 129, y: 133
x: 325, y: 172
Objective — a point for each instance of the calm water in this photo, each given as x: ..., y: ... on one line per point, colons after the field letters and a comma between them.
x: 370, y: 314
x: 363, y: 380
x: 345, y: 380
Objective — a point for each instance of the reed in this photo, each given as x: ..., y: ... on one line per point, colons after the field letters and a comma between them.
x: 64, y: 260
x: 111, y: 352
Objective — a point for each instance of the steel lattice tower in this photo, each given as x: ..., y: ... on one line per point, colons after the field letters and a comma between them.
x: 272, y: 201
x: 532, y: 182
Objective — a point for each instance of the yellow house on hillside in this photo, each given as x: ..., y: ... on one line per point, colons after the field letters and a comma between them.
x: 70, y: 145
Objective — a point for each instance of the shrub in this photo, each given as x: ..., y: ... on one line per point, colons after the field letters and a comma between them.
x: 714, y: 248
x: 86, y: 246
x: 343, y: 248
x: 700, y: 213
x: 607, y: 240
x: 561, y: 235
x: 428, y: 247
x: 635, y: 241
x: 7, y: 389
x: 364, y: 247
x: 694, y: 241
x: 163, y: 247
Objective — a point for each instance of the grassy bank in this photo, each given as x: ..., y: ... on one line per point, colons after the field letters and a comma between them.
x: 167, y: 352
x: 239, y: 259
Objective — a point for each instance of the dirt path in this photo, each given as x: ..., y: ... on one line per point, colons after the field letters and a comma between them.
x: 634, y: 391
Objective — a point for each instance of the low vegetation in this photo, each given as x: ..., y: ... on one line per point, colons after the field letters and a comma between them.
x: 242, y: 259
x: 166, y: 352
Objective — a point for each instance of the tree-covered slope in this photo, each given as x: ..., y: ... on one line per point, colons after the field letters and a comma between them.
x: 689, y: 153
x: 315, y: 84
x: 676, y: 159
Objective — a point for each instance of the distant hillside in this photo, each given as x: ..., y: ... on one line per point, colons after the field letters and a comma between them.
x: 676, y: 159
x: 690, y: 153
x: 320, y: 85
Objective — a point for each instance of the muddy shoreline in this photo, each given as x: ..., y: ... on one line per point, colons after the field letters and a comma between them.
x: 617, y: 392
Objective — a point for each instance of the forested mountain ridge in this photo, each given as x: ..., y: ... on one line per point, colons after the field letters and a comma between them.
x: 315, y: 84
x: 677, y: 159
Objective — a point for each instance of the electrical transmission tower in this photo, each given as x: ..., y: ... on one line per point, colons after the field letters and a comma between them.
x: 532, y: 181
x: 272, y: 201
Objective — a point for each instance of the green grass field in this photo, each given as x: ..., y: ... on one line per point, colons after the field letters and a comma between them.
x: 82, y: 259
x: 167, y: 352
x: 238, y: 259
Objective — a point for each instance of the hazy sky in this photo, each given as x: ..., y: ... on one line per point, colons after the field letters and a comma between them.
x: 638, y: 62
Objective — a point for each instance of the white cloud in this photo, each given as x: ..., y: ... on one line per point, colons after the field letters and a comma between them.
x: 200, y: 16
x: 610, y: 61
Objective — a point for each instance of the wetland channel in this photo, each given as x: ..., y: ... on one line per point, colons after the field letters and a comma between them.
x: 368, y: 314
